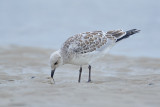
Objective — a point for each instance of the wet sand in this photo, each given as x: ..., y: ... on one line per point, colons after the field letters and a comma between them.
x: 116, y: 81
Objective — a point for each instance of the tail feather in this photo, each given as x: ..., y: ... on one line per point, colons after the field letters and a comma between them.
x: 128, y: 33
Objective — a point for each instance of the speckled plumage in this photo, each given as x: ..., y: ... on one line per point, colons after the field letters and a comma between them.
x: 88, y: 42
x: 85, y: 48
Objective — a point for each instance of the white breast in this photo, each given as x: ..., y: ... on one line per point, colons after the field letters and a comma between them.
x: 88, y: 58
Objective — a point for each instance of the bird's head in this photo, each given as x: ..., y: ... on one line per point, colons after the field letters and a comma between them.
x: 55, y: 61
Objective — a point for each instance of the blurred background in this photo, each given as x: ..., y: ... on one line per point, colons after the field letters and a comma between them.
x: 48, y: 23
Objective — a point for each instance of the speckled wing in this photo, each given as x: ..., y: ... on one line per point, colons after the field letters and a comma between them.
x: 90, y: 41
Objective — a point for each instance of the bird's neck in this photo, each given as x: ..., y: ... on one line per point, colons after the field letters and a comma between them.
x: 61, y: 57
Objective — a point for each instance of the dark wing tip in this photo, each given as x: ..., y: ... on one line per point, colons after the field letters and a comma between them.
x: 133, y: 31
x: 129, y: 33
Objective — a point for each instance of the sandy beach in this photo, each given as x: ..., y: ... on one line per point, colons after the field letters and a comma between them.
x: 117, y: 81
x: 30, y: 30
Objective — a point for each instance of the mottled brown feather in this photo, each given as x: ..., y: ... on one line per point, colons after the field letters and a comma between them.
x: 90, y: 41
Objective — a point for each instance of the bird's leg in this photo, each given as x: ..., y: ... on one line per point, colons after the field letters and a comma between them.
x: 80, y: 71
x: 89, y: 79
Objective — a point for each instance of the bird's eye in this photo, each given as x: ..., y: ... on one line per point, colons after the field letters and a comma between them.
x: 55, y: 63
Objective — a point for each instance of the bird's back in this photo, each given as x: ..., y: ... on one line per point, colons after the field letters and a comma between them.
x: 90, y: 42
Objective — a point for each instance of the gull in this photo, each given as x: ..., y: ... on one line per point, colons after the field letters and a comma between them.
x: 85, y: 48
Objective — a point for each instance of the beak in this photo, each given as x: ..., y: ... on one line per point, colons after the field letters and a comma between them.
x: 52, y: 73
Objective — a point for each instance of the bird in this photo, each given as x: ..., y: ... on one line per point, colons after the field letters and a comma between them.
x: 85, y: 48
